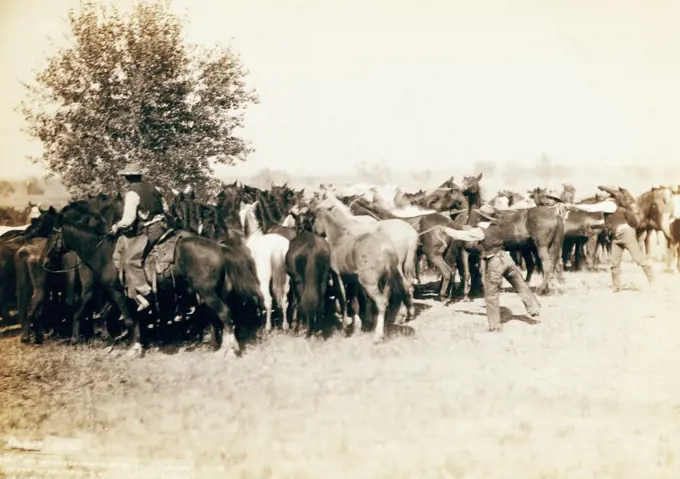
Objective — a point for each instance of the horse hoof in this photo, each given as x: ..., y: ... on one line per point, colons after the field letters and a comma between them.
x: 25, y: 339
x: 378, y: 339
x: 134, y: 351
x: 228, y: 353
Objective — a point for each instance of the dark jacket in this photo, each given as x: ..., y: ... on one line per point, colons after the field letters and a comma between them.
x: 150, y: 199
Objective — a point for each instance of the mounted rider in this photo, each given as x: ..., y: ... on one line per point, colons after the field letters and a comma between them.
x: 143, y: 223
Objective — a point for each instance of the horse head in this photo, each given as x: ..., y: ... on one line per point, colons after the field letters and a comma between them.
x: 471, y: 185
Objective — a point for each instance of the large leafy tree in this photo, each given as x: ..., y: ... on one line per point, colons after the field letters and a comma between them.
x: 128, y: 88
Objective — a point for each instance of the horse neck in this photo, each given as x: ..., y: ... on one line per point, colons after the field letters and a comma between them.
x: 340, y: 207
x: 474, y: 199
x: 337, y: 227
x: 96, y: 253
x: 251, y: 228
x: 270, y: 214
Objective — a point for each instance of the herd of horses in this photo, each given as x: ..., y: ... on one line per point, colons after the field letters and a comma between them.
x: 253, y: 258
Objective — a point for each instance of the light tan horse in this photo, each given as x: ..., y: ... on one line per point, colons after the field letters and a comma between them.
x: 397, y: 231
x: 364, y: 257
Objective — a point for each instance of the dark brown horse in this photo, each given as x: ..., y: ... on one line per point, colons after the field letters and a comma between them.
x: 581, y: 230
x: 202, y: 268
x: 308, y: 263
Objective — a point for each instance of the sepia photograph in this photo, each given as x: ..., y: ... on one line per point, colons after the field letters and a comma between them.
x: 339, y: 239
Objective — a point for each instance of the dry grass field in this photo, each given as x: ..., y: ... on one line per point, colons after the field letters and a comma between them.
x: 592, y: 390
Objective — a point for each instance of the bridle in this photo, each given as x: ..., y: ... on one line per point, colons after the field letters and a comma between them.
x: 81, y: 262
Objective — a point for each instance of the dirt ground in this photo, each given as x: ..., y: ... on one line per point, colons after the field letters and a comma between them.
x: 592, y: 390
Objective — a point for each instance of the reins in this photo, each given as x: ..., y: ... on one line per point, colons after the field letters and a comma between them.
x: 82, y: 261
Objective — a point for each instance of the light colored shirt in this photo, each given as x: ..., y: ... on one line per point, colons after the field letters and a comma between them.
x: 131, y: 202
x: 472, y: 234
x: 606, y: 206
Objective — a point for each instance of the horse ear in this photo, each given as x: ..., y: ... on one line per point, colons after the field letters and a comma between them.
x: 192, y: 195
x: 479, y: 177
x: 625, y: 191
x: 52, y: 210
x: 174, y: 192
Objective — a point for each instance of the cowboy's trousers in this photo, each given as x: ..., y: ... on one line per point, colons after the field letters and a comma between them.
x: 501, y: 266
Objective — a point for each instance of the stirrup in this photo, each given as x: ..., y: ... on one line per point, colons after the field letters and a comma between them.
x: 143, y: 303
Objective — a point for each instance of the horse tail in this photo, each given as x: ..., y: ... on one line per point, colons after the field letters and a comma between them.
x: 316, y: 276
x: 394, y: 283
x: 240, y: 276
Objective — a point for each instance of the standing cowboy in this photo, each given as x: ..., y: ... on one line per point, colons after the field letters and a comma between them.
x: 498, y: 265
x: 143, y: 223
x: 621, y: 224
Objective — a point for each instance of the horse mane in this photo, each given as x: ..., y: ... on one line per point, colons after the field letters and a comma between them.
x: 373, y: 209
x: 241, y: 268
x: 86, y: 225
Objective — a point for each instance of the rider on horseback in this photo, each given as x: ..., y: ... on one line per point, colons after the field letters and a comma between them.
x: 142, y: 225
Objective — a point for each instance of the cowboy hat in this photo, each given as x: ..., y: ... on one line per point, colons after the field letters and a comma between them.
x: 488, y: 212
x: 132, y: 169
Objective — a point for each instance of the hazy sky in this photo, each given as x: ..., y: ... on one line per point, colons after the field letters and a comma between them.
x: 418, y: 83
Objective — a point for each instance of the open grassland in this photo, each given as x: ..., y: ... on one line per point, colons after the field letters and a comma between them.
x: 592, y: 390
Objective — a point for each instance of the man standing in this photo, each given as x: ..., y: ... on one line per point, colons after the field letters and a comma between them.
x: 142, y: 225
x: 497, y: 265
x: 621, y: 224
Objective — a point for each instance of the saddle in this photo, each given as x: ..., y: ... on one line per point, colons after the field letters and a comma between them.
x: 162, y: 256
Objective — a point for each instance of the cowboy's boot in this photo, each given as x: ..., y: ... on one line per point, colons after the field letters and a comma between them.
x: 649, y: 272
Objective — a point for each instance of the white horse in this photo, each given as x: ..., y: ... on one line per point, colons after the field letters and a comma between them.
x: 269, y: 252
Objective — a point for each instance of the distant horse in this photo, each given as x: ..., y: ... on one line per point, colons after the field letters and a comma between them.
x: 581, y: 230
x: 656, y: 213
x: 364, y: 257
x: 308, y: 263
x: 269, y: 252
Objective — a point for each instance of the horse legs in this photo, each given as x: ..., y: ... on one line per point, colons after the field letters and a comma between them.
x: 548, y: 269
x: 463, y: 260
x: 566, y: 252
x: 341, y: 295
x: 38, y: 280
x: 264, y: 277
x: 380, y: 299
x: 529, y: 260
x: 222, y: 311
x: 281, y: 286
x: 354, y: 306
x: 409, y: 267
x: 446, y: 272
